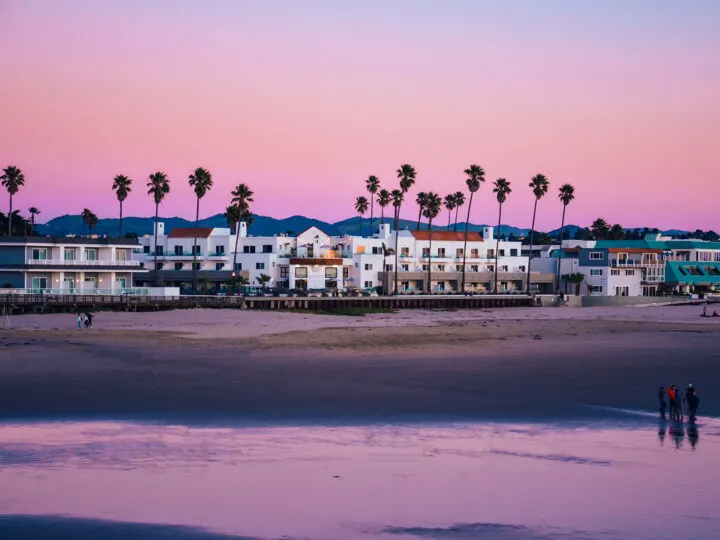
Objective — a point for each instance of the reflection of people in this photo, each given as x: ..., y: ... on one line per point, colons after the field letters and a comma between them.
x: 662, y: 399
x: 678, y: 434
x: 693, y: 436
x: 662, y: 431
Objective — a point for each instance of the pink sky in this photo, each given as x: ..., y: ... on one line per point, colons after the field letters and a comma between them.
x: 619, y: 99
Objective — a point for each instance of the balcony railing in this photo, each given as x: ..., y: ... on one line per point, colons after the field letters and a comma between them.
x: 633, y: 263
x: 82, y: 262
x: 85, y: 291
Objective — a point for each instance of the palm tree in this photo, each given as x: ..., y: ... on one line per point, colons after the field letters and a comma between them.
x: 539, y: 185
x: 386, y: 252
x: 12, y: 180
x: 433, y: 205
x: 575, y: 279
x: 384, y: 199
x: 242, y: 196
x: 450, y: 205
x: 201, y: 182
x: 373, y: 186
x: 89, y: 219
x: 566, y: 194
x: 361, y: 206
x: 121, y: 187
x: 263, y: 280
x: 397, y: 199
x: 158, y: 186
x: 600, y: 229
x: 421, y: 201
x: 406, y: 173
x: 33, y: 212
x: 475, y: 176
x: 86, y: 216
x: 459, y: 201
x: 502, y: 190
x: 616, y: 232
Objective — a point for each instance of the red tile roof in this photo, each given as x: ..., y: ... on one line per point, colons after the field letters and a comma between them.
x: 189, y: 232
x: 446, y: 236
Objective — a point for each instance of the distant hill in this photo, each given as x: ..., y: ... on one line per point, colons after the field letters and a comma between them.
x: 268, y: 226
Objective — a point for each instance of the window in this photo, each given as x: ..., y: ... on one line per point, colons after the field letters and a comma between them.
x: 259, y: 266
x: 248, y: 249
x: 376, y: 250
x: 69, y: 254
x: 513, y: 252
x: 238, y: 267
x: 159, y: 251
x: 425, y: 252
x: 388, y: 267
x: 459, y: 253
x: 368, y: 266
x: 596, y: 272
x: 474, y: 268
x: 491, y: 267
x: 159, y: 266
x: 441, y: 252
x: 267, y: 248
x: 490, y: 253
x: 368, y: 284
x: 91, y: 254
x: 178, y: 266
x: 331, y: 272
x: 146, y: 249
x: 196, y: 250
x: 404, y: 267
x: 522, y: 268
x: 284, y: 272
x: 595, y: 289
x: 196, y: 266
x: 504, y: 268
x: 424, y: 266
x: 219, y: 250
x: 474, y: 253
x: 178, y: 250
x: 301, y: 272
x: 629, y: 273
x: 614, y: 272
x: 122, y: 254
x: 441, y: 267
x: 405, y: 285
x: 596, y: 256
x: 346, y: 272
x: 501, y: 252
x: 405, y: 252
x: 622, y: 291
x: 219, y: 266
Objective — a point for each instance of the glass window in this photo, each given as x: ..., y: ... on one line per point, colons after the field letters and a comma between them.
x: 219, y: 266
x: 368, y: 267
x: 513, y: 252
x: 284, y: 271
x: 596, y: 272
x: 598, y: 255
x: 259, y: 266
x: 69, y: 254
x: 39, y: 254
x: 178, y: 266
x: 301, y: 272
x: 91, y: 254
x: 267, y: 248
x: 238, y: 267
x: 331, y: 272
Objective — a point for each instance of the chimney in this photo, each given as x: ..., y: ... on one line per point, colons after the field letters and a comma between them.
x: 243, y: 229
x: 488, y: 234
x: 384, y: 231
x: 161, y: 228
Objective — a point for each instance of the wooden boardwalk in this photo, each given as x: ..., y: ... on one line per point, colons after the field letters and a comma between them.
x: 29, y: 303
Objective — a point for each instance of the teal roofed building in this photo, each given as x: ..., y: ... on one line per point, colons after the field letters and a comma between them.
x: 690, y: 276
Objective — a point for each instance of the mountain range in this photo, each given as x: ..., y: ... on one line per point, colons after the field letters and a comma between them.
x: 262, y: 226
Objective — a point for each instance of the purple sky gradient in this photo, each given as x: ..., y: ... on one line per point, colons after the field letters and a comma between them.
x: 304, y: 100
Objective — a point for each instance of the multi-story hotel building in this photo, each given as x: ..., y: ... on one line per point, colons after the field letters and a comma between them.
x: 67, y: 265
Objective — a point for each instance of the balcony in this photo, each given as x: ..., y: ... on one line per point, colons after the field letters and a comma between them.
x: 82, y: 262
x: 633, y: 263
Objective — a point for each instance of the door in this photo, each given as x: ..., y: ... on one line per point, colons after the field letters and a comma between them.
x: 121, y: 283
x: 69, y: 284
x: 39, y: 284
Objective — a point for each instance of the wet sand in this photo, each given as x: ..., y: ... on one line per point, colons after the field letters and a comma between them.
x: 233, y: 367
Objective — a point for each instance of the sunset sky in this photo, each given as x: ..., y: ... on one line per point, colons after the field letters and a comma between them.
x: 303, y: 100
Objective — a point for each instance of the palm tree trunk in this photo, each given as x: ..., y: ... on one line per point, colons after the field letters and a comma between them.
x: 361, y: 225
x: 532, y: 239
x: 32, y: 224
x: 195, y: 273
x: 120, y: 231
x: 10, y: 218
x: 497, y: 247
x: 237, y: 236
x: 449, y: 219
x: 372, y: 208
x: 560, y: 254
x: 418, y: 221
x: 429, y: 282
x: 467, y: 221
x: 457, y: 210
x: 157, y: 272
x: 397, y: 250
x: 382, y: 215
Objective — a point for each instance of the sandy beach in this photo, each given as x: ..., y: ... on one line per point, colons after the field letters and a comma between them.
x: 231, y: 366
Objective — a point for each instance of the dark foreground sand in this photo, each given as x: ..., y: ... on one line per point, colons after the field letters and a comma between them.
x: 497, y: 369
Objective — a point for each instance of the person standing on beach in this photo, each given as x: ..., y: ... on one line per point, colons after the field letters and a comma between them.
x: 693, y: 401
x: 662, y: 398
x: 672, y: 398
x: 80, y: 321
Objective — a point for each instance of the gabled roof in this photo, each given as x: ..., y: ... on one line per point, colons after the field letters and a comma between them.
x: 189, y: 232
x: 447, y: 236
x: 312, y: 227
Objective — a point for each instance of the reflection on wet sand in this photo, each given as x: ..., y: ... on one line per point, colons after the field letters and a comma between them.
x: 452, y: 481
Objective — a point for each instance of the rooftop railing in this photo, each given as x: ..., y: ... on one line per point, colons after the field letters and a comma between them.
x: 82, y: 262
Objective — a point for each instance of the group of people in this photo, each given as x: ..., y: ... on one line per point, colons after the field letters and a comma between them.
x: 705, y: 313
x: 84, y: 319
x: 679, y: 404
